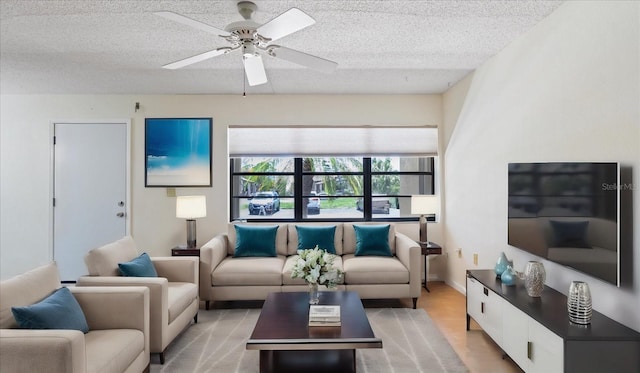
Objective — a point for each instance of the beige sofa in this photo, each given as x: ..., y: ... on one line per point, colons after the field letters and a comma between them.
x: 173, y: 294
x: 224, y: 277
x: 118, y: 337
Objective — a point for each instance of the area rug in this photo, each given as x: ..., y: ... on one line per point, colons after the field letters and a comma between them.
x: 411, y: 343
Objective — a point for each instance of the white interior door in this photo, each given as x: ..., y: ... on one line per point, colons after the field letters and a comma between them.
x: 90, y: 191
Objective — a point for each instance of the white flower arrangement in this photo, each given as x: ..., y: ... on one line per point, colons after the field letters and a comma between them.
x: 315, y: 266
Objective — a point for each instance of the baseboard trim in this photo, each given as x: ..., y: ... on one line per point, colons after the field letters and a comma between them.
x: 458, y: 287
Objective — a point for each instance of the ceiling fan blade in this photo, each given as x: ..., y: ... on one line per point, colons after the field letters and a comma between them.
x: 286, y: 23
x: 192, y: 23
x: 303, y: 59
x: 254, y: 68
x: 197, y: 58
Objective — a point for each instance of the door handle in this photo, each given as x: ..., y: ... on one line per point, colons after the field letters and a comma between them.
x: 481, y: 307
x: 120, y: 214
x: 529, y: 348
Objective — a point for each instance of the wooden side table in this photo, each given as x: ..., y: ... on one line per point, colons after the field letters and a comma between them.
x: 428, y: 248
x: 182, y: 251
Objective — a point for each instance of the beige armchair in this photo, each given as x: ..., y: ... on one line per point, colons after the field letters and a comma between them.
x: 118, y: 337
x: 173, y: 294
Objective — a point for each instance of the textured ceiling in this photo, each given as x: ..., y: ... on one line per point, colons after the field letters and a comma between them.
x: 381, y: 47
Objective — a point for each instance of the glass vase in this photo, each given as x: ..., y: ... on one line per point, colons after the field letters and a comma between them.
x: 501, y: 264
x: 579, y: 303
x: 314, y: 294
x: 534, y: 276
x: 508, y: 277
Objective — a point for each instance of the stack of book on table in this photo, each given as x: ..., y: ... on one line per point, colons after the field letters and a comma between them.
x: 323, y: 315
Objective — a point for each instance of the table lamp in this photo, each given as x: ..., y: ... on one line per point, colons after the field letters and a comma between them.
x: 190, y: 208
x: 423, y: 204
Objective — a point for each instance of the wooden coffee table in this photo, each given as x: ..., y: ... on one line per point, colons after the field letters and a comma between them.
x: 288, y: 344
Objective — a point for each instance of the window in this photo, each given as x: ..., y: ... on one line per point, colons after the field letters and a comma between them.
x: 328, y: 188
x: 295, y: 173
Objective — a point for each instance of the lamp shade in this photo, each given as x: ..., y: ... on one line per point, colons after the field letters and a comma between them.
x: 191, y: 207
x: 424, y: 204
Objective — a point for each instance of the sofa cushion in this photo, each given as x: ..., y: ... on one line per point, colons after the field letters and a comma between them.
x: 112, y: 350
x: 103, y: 261
x: 25, y: 289
x: 138, y: 267
x: 180, y: 296
x: 360, y: 270
x: 60, y: 310
x: 281, y: 237
x: 255, y: 241
x: 293, y: 236
x: 349, y: 237
x: 249, y: 271
x: 288, y: 268
x: 312, y: 236
x: 372, y: 240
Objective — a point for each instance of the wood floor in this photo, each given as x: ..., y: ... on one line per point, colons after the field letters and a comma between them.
x: 447, y: 308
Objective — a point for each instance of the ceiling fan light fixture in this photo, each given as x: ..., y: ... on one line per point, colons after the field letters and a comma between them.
x: 249, y: 50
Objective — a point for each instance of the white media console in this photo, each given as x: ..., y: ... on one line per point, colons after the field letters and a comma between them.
x: 537, y: 335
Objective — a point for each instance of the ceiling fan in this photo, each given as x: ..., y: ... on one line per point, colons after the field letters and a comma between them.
x: 254, y: 39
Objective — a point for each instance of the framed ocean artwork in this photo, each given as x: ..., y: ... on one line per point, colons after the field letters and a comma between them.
x: 177, y: 152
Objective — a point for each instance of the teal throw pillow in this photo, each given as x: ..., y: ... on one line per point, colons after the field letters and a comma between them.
x: 138, y: 267
x: 255, y: 240
x: 323, y: 237
x: 372, y: 240
x: 60, y: 310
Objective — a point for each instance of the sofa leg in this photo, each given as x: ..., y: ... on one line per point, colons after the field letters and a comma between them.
x: 161, y: 357
x: 415, y: 303
x: 206, y: 305
x: 195, y: 319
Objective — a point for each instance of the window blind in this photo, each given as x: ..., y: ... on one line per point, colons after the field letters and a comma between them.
x: 325, y: 141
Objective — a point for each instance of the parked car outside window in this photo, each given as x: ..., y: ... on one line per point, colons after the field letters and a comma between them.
x: 264, y: 203
x: 379, y: 205
x: 313, y: 206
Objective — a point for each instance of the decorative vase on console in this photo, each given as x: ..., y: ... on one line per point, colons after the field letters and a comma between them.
x: 579, y: 303
x: 508, y: 277
x: 534, y: 276
x: 501, y: 264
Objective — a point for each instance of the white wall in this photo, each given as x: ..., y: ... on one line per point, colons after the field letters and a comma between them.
x: 26, y: 148
x: 568, y: 90
x: 453, y: 101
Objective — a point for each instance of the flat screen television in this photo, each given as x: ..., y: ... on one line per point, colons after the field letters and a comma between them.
x: 568, y: 213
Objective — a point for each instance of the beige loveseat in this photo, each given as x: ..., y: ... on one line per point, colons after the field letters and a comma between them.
x: 225, y: 277
x: 173, y: 294
x: 118, y: 337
